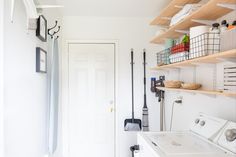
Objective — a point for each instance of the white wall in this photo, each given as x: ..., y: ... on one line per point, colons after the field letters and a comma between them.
x: 130, y: 33
x: 25, y: 90
x: 1, y: 80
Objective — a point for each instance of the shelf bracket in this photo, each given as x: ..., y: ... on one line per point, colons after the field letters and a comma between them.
x: 205, y: 22
x: 195, y: 74
x: 215, y: 77
x: 226, y: 5
x: 182, y: 31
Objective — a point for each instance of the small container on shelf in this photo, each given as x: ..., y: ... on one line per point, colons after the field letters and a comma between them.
x: 228, y: 40
x: 172, y: 84
x: 191, y: 86
x: 214, y: 39
x: 224, y: 26
x: 233, y: 26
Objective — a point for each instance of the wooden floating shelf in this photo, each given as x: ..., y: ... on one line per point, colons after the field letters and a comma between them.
x: 209, y: 11
x: 172, y: 9
x: 211, y: 59
x: 208, y: 92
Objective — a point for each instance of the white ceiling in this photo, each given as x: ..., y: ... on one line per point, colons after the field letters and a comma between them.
x: 112, y: 8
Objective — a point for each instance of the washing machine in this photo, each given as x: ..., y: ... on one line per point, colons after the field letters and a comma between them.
x: 208, y: 137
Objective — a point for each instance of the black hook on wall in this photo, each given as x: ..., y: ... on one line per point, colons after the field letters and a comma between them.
x: 55, y: 32
x: 56, y: 22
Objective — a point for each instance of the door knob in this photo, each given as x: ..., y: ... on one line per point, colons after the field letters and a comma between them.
x: 230, y: 135
x: 111, y: 109
x: 111, y: 104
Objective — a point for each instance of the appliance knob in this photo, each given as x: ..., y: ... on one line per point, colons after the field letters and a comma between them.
x: 197, y: 121
x: 230, y: 135
x: 202, y: 123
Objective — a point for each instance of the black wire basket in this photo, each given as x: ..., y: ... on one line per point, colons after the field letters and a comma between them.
x: 202, y: 45
x: 205, y: 44
x: 163, y: 57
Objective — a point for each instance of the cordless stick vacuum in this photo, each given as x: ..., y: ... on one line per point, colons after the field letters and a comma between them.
x: 161, y: 95
x: 145, y: 108
x: 132, y: 124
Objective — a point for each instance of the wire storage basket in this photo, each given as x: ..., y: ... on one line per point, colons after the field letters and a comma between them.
x: 163, y: 57
x: 174, y: 54
x: 204, y: 44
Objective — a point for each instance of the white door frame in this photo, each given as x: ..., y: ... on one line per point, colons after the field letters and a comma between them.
x: 1, y: 78
x: 65, y: 89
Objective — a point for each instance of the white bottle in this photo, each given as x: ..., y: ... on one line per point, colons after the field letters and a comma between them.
x: 224, y: 26
x: 214, y: 39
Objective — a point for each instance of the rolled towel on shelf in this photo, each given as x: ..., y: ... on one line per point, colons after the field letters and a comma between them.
x: 186, y: 11
x: 178, y: 57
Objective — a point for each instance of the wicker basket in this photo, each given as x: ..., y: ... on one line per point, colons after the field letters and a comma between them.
x: 191, y: 86
x: 173, y: 84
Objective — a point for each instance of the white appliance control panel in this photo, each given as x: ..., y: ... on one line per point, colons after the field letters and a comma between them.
x: 207, y: 126
x: 227, y: 139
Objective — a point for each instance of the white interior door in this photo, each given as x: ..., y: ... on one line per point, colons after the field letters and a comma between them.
x: 91, y: 100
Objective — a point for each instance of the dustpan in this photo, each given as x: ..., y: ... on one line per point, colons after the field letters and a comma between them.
x: 132, y: 124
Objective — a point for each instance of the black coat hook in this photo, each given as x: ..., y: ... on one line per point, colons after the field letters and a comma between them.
x: 56, y: 22
x: 55, y: 32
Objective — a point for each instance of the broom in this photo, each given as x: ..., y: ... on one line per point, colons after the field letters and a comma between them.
x: 132, y: 124
x: 145, y: 108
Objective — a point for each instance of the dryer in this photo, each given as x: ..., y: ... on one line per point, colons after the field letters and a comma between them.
x: 208, y: 137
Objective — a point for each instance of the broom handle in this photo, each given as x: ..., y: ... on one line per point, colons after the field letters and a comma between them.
x: 132, y: 82
x: 144, y: 81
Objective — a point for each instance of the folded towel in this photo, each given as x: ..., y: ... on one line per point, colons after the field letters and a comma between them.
x: 186, y: 11
x: 178, y: 57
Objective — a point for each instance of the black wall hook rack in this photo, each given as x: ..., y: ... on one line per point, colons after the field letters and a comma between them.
x: 54, y: 32
x: 56, y: 22
x: 58, y: 30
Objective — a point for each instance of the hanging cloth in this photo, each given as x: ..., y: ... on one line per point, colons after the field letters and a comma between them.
x: 53, y: 90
